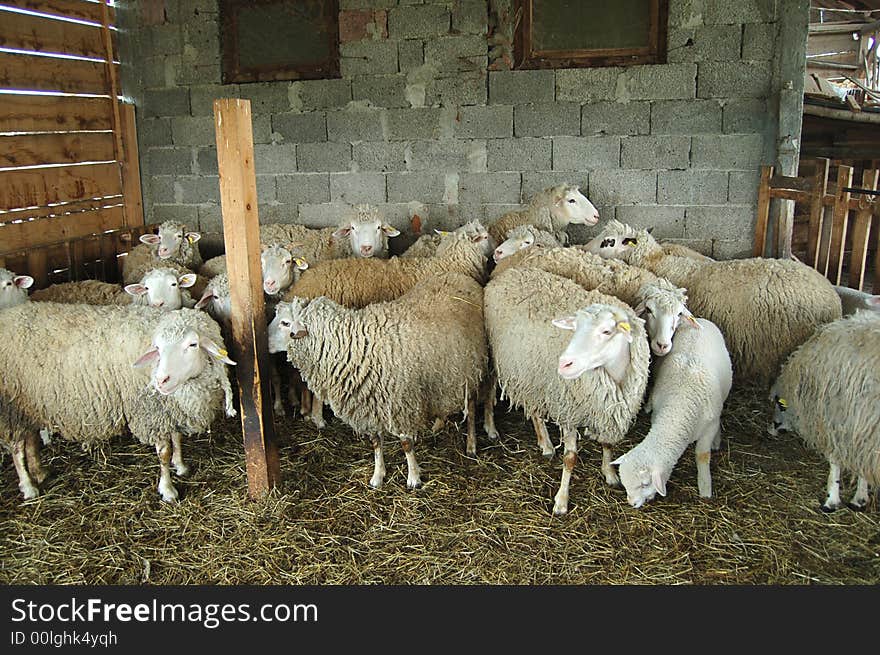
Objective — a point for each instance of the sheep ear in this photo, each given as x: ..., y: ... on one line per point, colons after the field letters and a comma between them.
x: 300, y: 263
x: 187, y: 280
x: 390, y: 230
x: 650, y: 230
x: 626, y: 329
x: 151, y: 239
x: 657, y: 481
x: 690, y: 319
x: 873, y: 301
x: 148, y: 357
x: 23, y: 281
x: 205, y: 299
x: 342, y: 232
x: 192, y: 237
x: 220, y: 353
x: 565, y: 323
x: 135, y: 289
x: 618, y: 461
x: 640, y: 308
x: 442, y: 233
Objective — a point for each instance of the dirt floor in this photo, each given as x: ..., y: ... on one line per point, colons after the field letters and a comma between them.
x: 483, y: 520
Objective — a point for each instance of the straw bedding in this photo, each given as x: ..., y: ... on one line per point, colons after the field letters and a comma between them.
x: 484, y: 520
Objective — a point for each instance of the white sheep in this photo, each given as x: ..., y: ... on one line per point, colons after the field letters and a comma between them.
x: 522, y: 238
x: 664, y: 306
x: 13, y: 288
x: 853, y: 300
x: 829, y: 393
x: 602, y: 369
x: 690, y: 387
x: 161, y: 287
x: 552, y: 210
x: 171, y: 247
x: 427, y: 244
x: 764, y: 307
x: 392, y: 368
x: 94, y: 392
x: 280, y: 266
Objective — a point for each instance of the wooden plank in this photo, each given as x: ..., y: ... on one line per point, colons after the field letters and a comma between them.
x: 79, y: 9
x: 38, y: 267
x: 790, y: 194
x: 131, y: 168
x: 839, y: 221
x: 25, y: 32
x: 763, y: 211
x: 36, y: 73
x: 59, y: 209
x: 37, y: 187
x: 820, y: 187
x: 238, y: 199
x: 41, y: 149
x: 22, y: 236
x: 795, y: 183
x: 23, y: 113
x: 861, y: 234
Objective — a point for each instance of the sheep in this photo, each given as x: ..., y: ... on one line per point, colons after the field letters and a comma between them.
x: 426, y: 245
x: 602, y: 370
x: 829, y: 393
x: 171, y: 247
x: 665, y: 306
x: 392, y: 368
x: 764, y: 307
x: 551, y: 210
x: 522, y: 238
x: 280, y: 265
x: 690, y: 387
x: 853, y: 300
x: 94, y: 392
x: 13, y: 288
x: 160, y: 287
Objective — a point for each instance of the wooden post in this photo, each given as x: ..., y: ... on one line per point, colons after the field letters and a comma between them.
x: 38, y: 267
x: 861, y: 232
x: 839, y: 221
x: 817, y: 211
x: 132, y: 196
x: 241, y: 232
x: 763, y: 215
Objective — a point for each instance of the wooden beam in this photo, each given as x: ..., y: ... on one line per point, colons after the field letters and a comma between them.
x: 842, y: 114
x: 861, y: 234
x: 839, y: 221
x: 22, y: 113
x: 90, y: 11
x: 42, y: 149
x: 241, y: 232
x: 26, y: 32
x: 15, y: 237
x: 131, y: 167
x: 763, y: 211
x: 817, y: 210
x: 37, y: 73
x: 37, y: 187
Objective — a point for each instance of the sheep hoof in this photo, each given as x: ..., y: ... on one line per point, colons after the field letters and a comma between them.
x: 830, y: 507
x: 40, y: 476
x: 492, y: 433
x: 472, y: 452
x: 439, y: 424
x: 29, y: 491
x: 319, y: 423
x: 182, y: 469
x: 548, y: 454
x: 168, y: 494
x: 376, y: 482
x: 857, y: 506
x: 413, y: 483
x: 279, y: 410
x: 612, y: 480
x: 560, y: 507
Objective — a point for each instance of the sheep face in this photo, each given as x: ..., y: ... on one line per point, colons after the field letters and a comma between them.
x: 663, y: 310
x: 515, y: 242
x: 179, y: 357
x: 641, y: 482
x: 170, y: 239
x: 613, y: 246
x: 601, y: 335
x: 571, y: 206
x: 286, y: 325
x: 367, y: 233
x: 780, y: 413
x: 13, y: 288
x: 161, y: 288
x: 280, y: 269
x: 217, y: 301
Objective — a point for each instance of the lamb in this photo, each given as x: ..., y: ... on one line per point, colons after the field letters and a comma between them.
x: 829, y: 393
x: 523, y: 237
x: 13, y: 288
x: 426, y: 245
x: 764, y: 307
x: 160, y: 287
x: 602, y: 371
x: 280, y: 265
x: 172, y: 247
x: 853, y: 300
x: 665, y: 306
x: 94, y: 392
x: 394, y: 367
x: 690, y: 387
x: 551, y: 210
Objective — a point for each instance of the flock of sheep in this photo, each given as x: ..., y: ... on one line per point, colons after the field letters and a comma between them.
x: 396, y: 345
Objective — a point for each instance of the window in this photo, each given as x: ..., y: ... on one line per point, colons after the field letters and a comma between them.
x: 266, y: 40
x: 580, y: 33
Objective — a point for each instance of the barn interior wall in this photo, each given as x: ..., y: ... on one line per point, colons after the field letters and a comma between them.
x: 428, y: 111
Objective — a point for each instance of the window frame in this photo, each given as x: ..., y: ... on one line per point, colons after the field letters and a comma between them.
x: 231, y: 71
x: 525, y: 57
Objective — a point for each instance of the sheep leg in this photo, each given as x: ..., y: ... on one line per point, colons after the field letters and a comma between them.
x: 544, y: 442
x: 305, y: 405
x: 25, y: 483
x: 32, y: 455
x: 860, y: 497
x: 413, y: 472
x: 569, y: 459
x: 489, y: 413
x: 611, y: 477
x: 317, y: 414
x: 378, y: 462
x: 716, y: 440
x: 166, y: 489
x: 832, y: 502
x: 177, y: 455
x: 704, y: 455
x: 472, y: 425
x: 293, y: 392
x: 277, y: 404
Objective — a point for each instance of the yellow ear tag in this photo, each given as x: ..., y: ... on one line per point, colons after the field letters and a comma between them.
x: 783, y: 403
x: 222, y: 352
x: 190, y: 239
x: 623, y: 325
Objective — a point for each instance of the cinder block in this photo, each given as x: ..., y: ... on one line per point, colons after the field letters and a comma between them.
x: 457, y: 53
x: 330, y: 214
x: 384, y: 91
x: 733, y: 79
x: 691, y: 187
x: 655, y: 152
x: 323, y: 156
x: 359, y: 125
x: 586, y: 84
x: 186, y: 74
x: 573, y: 153
x: 705, y: 43
x: 470, y: 17
x: 421, y: 21
x: 210, y: 218
x: 303, y: 188
x: 745, y: 11
x: 273, y: 159
x: 380, y: 156
x: 484, y: 122
x: 659, y: 82
x: 266, y: 97
x: 206, y: 161
x: 609, y: 188
x: 416, y: 123
x: 738, y: 249
x: 186, y: 214
x: 156, y: 74
x: 166, y: 102
x: 547, y: 119
x: 479, y: 188
x: 322, y: 94
x: 518, y: 87
x: 368, y: 58
x: 367, y: 4
x: 411, y: 54
x: 519, y: 154
x: 746, y: 116
x: 355, y: 188
x: 728, y: 151
x: 170, y: 161
x: 159, y: 186
x: 355, y: 25
x: 685, y: 14
x: 419, y: 187
x: 535, y: 182
x: 724, y: 223
x: 165, y: 39
x: 265, y: 189
x: 743, y: 187
x: 459, y: 89
x: 154, y: 132
x: 194, y: 190
x: 615, y: 118
x: 297, y: 128
x: 262, y: 129
x: 668, y: 222
x: 202, y: 97
x: 193, y: 131
x: 685, y: 117
x: 275, y: 212
x: 448, y: 155
x: 758, y: 41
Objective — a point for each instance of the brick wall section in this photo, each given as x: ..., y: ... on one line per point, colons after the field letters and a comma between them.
x: 428, y: 117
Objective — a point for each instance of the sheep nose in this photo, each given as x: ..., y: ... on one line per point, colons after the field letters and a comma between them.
x: 565, y: 364
x: 159, y: 303
x: 498, y: 254
x: 662, y: 348
x: 366, y: 250
x: 164, y: 380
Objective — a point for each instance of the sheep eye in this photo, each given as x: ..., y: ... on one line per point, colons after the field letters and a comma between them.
x: 606, y: 331
x: 174, y: 284
x: 648, y: 310
x: 571, y: 200
x: 285, y: 323
x: 192, y: 345
x: 287, y: 261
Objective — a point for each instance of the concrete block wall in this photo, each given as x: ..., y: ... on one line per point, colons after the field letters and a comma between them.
x: 428, y: 118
